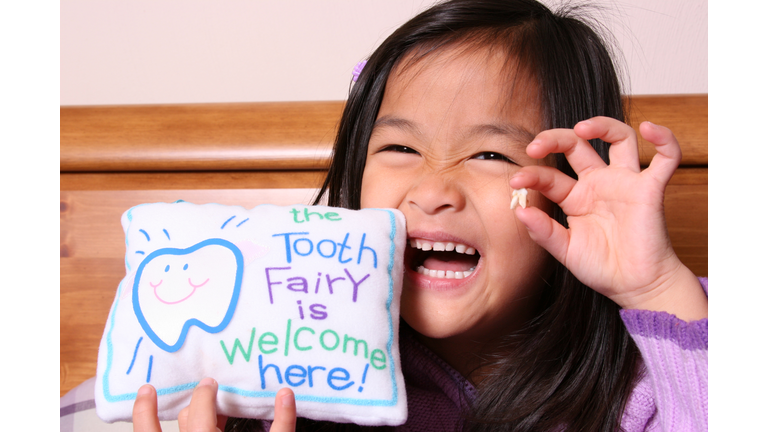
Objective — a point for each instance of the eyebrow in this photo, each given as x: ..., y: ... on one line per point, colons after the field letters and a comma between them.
x: 512, y: 131
x: 397, y: 123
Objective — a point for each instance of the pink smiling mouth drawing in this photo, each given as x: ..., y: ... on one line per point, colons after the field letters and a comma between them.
x: 189, y: 280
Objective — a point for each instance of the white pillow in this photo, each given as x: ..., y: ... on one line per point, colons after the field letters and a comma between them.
x: 297, y: 296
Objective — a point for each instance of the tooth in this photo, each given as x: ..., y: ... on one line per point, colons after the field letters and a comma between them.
x: 460, y: 248
x: 438, y: 246
x: 418, y: 244
x: 169, y: 309
x: 470, y: 251
x: 433, y: 273
x: 519, y: 196
x: 467, y: 273
x: 426, y: 246
x: 413, y: 243
x: 450, y: 274
x: 459, y: 275
x: 441, y: 274
x: 450, y: 246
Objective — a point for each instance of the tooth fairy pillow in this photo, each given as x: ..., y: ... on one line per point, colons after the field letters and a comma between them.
x: 298, y: 296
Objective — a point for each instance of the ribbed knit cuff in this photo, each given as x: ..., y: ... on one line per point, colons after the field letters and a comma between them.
x: 661, y: 325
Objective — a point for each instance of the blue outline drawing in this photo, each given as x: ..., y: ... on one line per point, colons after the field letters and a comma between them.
x: 192, y: 321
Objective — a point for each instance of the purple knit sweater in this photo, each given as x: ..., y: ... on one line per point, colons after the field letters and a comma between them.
x: 671, y: 396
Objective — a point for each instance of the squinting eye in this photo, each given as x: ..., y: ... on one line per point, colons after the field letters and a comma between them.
x: 492, y: 156
x: 399, y: 149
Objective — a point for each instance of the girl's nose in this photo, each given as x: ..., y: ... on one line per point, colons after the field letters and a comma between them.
x: 436, y: 193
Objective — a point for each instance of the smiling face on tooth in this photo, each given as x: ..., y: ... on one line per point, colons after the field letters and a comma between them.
x: 447, y: 139
x: 177, y: 288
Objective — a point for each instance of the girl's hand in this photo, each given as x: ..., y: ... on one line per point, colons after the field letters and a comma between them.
x: 617, y: 241
x: 200, y: 415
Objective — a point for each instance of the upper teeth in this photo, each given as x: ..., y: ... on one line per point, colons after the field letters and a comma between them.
x: 442, y: 246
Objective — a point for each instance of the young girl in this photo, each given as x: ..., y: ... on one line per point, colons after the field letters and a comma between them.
x: 573, y: 313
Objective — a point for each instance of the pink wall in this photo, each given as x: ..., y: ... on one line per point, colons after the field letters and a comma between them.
x: 189, y: 51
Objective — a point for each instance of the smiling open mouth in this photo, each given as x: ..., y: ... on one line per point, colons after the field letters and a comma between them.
x: 443, y: 260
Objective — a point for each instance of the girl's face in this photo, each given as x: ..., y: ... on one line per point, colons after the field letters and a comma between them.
x: 445, y: 143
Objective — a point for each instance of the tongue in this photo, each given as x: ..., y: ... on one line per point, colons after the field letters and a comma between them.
x: 450, y: 261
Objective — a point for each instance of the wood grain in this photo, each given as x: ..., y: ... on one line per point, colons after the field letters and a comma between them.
x: 686, y: 115
x: 151, y: 180
x: 277, y: 135
x: 88, y: 287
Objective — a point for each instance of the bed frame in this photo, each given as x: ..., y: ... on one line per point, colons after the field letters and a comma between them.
x: 115, y: 157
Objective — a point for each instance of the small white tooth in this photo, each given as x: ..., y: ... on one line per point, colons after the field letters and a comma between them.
x: 426, y: 246
x: 519, y: 196
x: 450, y: 274
x: 420, y: 269
x: 470, y: 251
x: 433, y: 273
x: 438, y: 246
x: 460, y: 248
x: 413, y: 243
x: 467, y: 273
x: 459, y: 275
x: 418, y: 244
x: 450, y: 246
x: 441, y: 274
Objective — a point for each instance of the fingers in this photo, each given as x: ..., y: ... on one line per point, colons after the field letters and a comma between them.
x: 552, y: 183
x: 285, y: 412
x: 579, y: 152
x: 623, y: 150
x: 145, y: 410
x: 545, y: 231
x: 668, y: 152
x: 574, y: 145
x: 200, y: 415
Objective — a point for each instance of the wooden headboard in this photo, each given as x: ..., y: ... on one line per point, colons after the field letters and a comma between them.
x: 115, y: 157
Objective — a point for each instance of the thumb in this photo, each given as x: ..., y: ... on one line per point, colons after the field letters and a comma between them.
x: 285, y: 412
x: 545, y: 231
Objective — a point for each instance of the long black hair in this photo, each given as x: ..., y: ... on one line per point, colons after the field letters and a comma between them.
x: 574, y: 364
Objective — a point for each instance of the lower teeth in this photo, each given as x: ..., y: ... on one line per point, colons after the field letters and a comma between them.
x: 445, y: 274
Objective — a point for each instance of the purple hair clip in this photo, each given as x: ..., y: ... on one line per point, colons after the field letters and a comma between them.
x: 358, y: 69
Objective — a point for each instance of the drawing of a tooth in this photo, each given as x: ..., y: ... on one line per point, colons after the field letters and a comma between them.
x: 175, y: 289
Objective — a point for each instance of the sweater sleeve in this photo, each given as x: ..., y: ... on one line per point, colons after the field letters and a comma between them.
x: 675, y: 355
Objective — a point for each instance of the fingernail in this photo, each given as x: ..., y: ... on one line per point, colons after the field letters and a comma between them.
x: 207, y: 382
x: 144, y: 390
x: 287, y: 401
x: 535, y: 142
x: 585, y: 122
